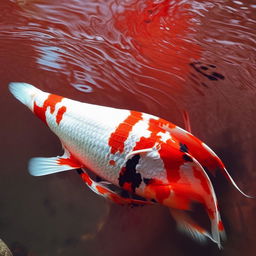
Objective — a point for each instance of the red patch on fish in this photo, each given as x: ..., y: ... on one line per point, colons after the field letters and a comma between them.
x: 51, y: 102
x: 102, y: 190
x: 173, y: 160
x: 71, y: 161
x: 112, y: 162
x: 210, y: 212
x: 112, y: 196
x: 127, y: 186
x: 120, y: 135
x: 60, y: 114
x: 183, y: 195
x: 203, y: 180
x: 220, y: 226
x: 149, y: 142
x: 160, y: 191
x: 116, y: 199
x: 85, y: 177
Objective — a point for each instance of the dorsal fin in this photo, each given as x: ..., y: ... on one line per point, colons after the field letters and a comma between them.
x: 186, y: 120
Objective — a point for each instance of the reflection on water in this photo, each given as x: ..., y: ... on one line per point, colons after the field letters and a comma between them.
x: 159, y: 57
x: 50, y: 57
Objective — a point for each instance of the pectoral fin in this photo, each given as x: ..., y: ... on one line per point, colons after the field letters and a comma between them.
x: 142, y: 151
x: 187, y: 225
x: 39, y: 166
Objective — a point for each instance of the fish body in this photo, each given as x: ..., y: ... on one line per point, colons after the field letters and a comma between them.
x: 150, y: 160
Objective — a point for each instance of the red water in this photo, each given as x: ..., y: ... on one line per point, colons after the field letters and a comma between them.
x: 160, y: 57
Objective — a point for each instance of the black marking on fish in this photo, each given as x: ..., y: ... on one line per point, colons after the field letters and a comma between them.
x: 140, y: 198
x: 79, y: 171
x: 147, y: 181
x: 98, y: 178
x: 183, y: 148
x: 125, y: 194
x: 129, y: 174
x: 187, y: 158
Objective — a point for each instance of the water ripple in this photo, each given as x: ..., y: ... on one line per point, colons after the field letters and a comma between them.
x: 146, y: 48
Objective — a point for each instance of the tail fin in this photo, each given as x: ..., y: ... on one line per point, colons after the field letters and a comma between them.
x: 24, y: 92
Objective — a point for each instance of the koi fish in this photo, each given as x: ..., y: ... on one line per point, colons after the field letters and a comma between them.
x: 140, y: 158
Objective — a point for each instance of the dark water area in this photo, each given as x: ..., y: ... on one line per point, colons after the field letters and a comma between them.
x: 159, y: 57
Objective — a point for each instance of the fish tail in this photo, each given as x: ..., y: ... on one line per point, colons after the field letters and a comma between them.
x: 24, y: 92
